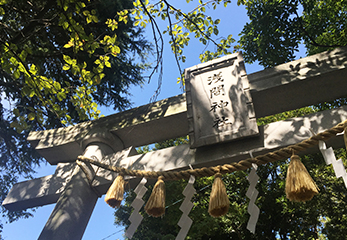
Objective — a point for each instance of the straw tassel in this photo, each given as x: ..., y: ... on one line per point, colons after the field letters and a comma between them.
x: 155, y: 205
x: 300, y: 186
x: 219, y: 200
x: 114, y: 195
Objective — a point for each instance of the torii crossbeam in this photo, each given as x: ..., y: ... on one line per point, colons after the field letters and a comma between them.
x: 112, y: 139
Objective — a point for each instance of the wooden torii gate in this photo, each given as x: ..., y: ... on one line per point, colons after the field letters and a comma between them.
x: 111, y: 140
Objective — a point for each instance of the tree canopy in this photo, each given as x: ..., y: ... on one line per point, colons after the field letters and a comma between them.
x: 59, y: 60
x: 276, y: 29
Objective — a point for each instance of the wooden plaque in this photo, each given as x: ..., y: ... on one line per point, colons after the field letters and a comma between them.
x: 219, y: 105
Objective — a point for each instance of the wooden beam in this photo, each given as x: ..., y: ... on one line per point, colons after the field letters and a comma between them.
x: 272, y: 137
x: 304, y: 82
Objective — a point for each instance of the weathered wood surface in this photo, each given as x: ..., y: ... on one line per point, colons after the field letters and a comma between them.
x: 304, y: 82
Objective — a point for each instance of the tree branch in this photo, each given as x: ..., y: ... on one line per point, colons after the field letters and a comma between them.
x: 196, y: 26
x: 159, y: 51
x: 196, y: 8
x: 173, y: 41
x: 29, y: 28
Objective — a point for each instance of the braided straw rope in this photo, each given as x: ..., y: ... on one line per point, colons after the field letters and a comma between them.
x: 280, y: 154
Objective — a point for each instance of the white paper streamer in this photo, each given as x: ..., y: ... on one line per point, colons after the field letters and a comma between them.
x: 185, y: 222
x: 329, y: 157
x: 252, y: 194
x: 136, y: 218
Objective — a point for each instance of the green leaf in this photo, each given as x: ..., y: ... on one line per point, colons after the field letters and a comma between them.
x: 14, y: 61
x: 65, y: 25
x: 61, y: 96
x: 57, y: 86
x: 33, y: 69
x: 13, y: 47
x: 16, y: 74
x: 116, y: 49
x: 108, y: 64
x: 215, y: 31
x: 69, y: 44
x: 66, y: 67
x: 31, y: 116
x: 32, y: 93
x: 67, y: 59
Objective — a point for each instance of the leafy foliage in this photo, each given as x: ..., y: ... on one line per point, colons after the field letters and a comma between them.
x: 61, y: 60
x: 58, y: 61
x: 324, y: 25
x: 271, y: 36
x: 276, y: 29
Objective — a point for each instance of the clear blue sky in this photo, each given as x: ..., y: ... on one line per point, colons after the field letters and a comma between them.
x: 101, y: 224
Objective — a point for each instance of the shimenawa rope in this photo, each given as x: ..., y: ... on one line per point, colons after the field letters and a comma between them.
x: 280, y: 154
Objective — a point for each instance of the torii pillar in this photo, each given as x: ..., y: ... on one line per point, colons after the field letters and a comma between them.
x: 75, y: 205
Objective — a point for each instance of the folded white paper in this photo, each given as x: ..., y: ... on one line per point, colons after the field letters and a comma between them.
x: 136, y: 218
x: 185, y: 222
x: 252, y: 194
x: 329, y: 157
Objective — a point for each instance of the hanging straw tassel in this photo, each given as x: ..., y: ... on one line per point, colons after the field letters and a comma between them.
x: 300, y: 187
x: 114, y: 195
x: 219, y: 200
x: 155, y: 205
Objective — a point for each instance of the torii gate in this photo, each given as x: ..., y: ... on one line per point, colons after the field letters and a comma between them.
x: 112, y: 139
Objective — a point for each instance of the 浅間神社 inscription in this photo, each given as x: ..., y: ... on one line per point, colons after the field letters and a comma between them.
x: 218, y: 102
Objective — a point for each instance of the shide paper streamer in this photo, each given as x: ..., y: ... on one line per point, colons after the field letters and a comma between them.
x: 252, y: 194
x: 136, y: 218
x: 329, y: 157
x: 185, y: 222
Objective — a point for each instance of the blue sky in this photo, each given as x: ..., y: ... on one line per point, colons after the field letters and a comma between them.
x: 101, y: 224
